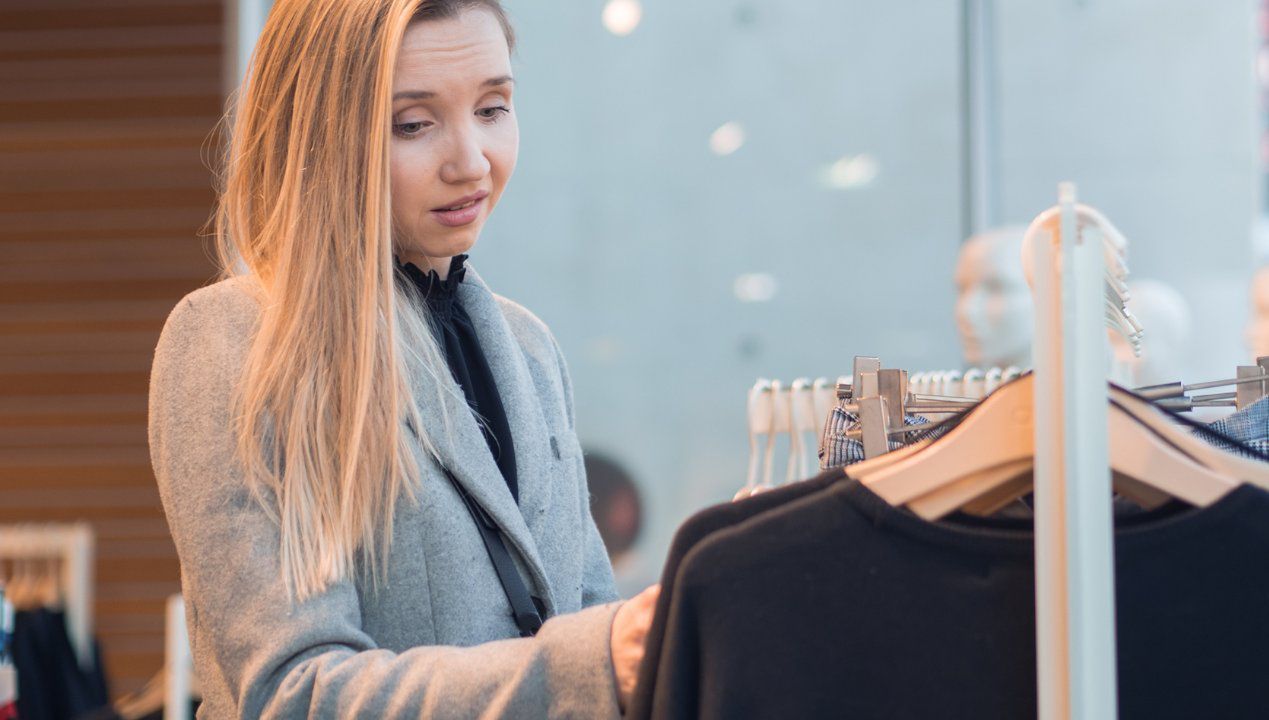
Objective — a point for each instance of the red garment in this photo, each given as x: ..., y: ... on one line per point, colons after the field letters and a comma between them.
x: 9, y: 711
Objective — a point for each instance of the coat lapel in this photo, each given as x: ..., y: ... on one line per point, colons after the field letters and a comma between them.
x: 517, y: 389
x: 467, y: 455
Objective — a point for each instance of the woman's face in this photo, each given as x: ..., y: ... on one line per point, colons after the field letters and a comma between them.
x: 454, y: 135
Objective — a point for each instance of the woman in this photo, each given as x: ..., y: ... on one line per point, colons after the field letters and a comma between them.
x: 368, y: 460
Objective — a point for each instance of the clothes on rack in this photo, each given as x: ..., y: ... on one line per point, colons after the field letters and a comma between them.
x: 837, y: 604
x: 1247, y: 428
x: 8, y: 692
x: 692, y: 531
x: 838, y: 450
x: 51, y: 683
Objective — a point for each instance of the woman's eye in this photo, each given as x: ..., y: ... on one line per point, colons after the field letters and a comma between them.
x: 492, y: 113
x: 408, y: 129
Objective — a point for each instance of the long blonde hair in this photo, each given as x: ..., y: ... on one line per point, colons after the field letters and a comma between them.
x: 304, y: 207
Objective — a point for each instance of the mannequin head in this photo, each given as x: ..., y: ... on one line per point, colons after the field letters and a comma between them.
x: 1258, y: 326
x: 993, y: 306
x: 1165, y: 315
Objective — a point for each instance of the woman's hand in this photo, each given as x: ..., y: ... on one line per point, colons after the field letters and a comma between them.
x: 629, y: 630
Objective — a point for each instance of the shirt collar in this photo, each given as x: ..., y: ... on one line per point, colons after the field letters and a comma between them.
x: 430, y: 284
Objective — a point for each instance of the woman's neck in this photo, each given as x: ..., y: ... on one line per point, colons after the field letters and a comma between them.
x: 440, y: 264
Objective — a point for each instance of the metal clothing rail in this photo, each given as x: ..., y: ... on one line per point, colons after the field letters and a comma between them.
x: 177, y: 665
x: 73, y: 545
x: 1074, y: 552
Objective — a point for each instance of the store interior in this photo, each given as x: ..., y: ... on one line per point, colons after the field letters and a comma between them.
x: 722, y: 209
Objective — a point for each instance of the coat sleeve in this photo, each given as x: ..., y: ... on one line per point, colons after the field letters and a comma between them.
x: 598, y: 583
x: 267, y: 658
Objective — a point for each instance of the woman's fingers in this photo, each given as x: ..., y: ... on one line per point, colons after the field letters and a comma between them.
x: 629, y: 631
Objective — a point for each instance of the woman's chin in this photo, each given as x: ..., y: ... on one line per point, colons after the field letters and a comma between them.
x: 446, y: 246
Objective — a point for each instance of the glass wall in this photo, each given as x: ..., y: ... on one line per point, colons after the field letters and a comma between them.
x: 716, y: 191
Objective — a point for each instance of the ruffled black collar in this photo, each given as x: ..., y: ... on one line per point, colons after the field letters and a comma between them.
x: 438, y: 293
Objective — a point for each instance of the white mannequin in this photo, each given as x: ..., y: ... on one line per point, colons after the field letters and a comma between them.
x: 1258, y: 326
x: 1166, y: 318
x: 993, y: 307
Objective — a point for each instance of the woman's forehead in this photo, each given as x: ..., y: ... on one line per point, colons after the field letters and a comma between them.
x: 453, y: 52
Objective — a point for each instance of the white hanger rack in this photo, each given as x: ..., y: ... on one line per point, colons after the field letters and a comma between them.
x: 1074, y: 540
x: 178, y: 664
x: 73, y: 545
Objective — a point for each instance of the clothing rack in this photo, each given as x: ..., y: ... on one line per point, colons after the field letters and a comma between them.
x: 1076, y: 259
x: 73, y: 545
x: 177, y: 662
x: 1074, y: 542
x: 173, y: 688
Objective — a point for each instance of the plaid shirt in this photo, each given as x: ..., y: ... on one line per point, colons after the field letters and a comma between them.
x: 837, y: 450
x: 1245, y: 432
x: 1247, y: 429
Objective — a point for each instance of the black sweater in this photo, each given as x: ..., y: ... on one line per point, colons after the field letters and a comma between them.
x: 457, y: 337
x: 839, y: 605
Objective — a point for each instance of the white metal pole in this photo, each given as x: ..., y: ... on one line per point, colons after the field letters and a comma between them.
x: 978, y: 114
x: 78, y: 558
x: 1052, y: 684
x: 1090, y: 539
x: 1074, y: 548
x: 176, y: 695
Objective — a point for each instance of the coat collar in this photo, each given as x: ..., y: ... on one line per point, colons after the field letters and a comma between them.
x: 467, y: 454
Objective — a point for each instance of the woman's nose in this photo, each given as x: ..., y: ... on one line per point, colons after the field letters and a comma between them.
x: 466, y: 161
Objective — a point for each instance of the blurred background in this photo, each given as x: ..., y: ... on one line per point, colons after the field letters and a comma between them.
x: 707, y: 193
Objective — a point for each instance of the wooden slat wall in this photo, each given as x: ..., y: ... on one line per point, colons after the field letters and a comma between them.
x: 105, y: 106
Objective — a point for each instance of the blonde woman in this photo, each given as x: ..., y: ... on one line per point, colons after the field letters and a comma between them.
x: 367, y: 459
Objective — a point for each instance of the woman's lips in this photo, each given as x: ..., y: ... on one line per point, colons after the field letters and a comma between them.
x: 458, y: 218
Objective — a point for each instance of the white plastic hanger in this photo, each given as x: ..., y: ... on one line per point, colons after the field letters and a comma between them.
x: 780, y: 422
x: 973, y: 385
x: 916, y: 382
x: 991, y: 380
x: 953, y: 384
x: 795, y: 438
x: 824, y: 395
x: 804, y: 424
x: 759, y: 410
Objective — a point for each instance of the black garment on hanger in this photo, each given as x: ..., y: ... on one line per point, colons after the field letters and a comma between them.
x: 840, y: 605
x: 467, y: 362
x: 692, y: 531
x: 51, y: 683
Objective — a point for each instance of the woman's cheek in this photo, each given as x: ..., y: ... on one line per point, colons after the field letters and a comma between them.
x: 506, y: 157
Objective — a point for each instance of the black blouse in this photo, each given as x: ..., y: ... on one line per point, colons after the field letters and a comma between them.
x: 457, y: 338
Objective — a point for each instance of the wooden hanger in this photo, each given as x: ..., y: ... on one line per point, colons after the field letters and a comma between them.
x: 995, y: 444
x: 1162, y: 424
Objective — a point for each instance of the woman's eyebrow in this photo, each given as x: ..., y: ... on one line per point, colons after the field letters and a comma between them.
x: 428, y: 94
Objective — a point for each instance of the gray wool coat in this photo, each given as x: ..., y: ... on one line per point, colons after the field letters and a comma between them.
x: 437, y: 640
